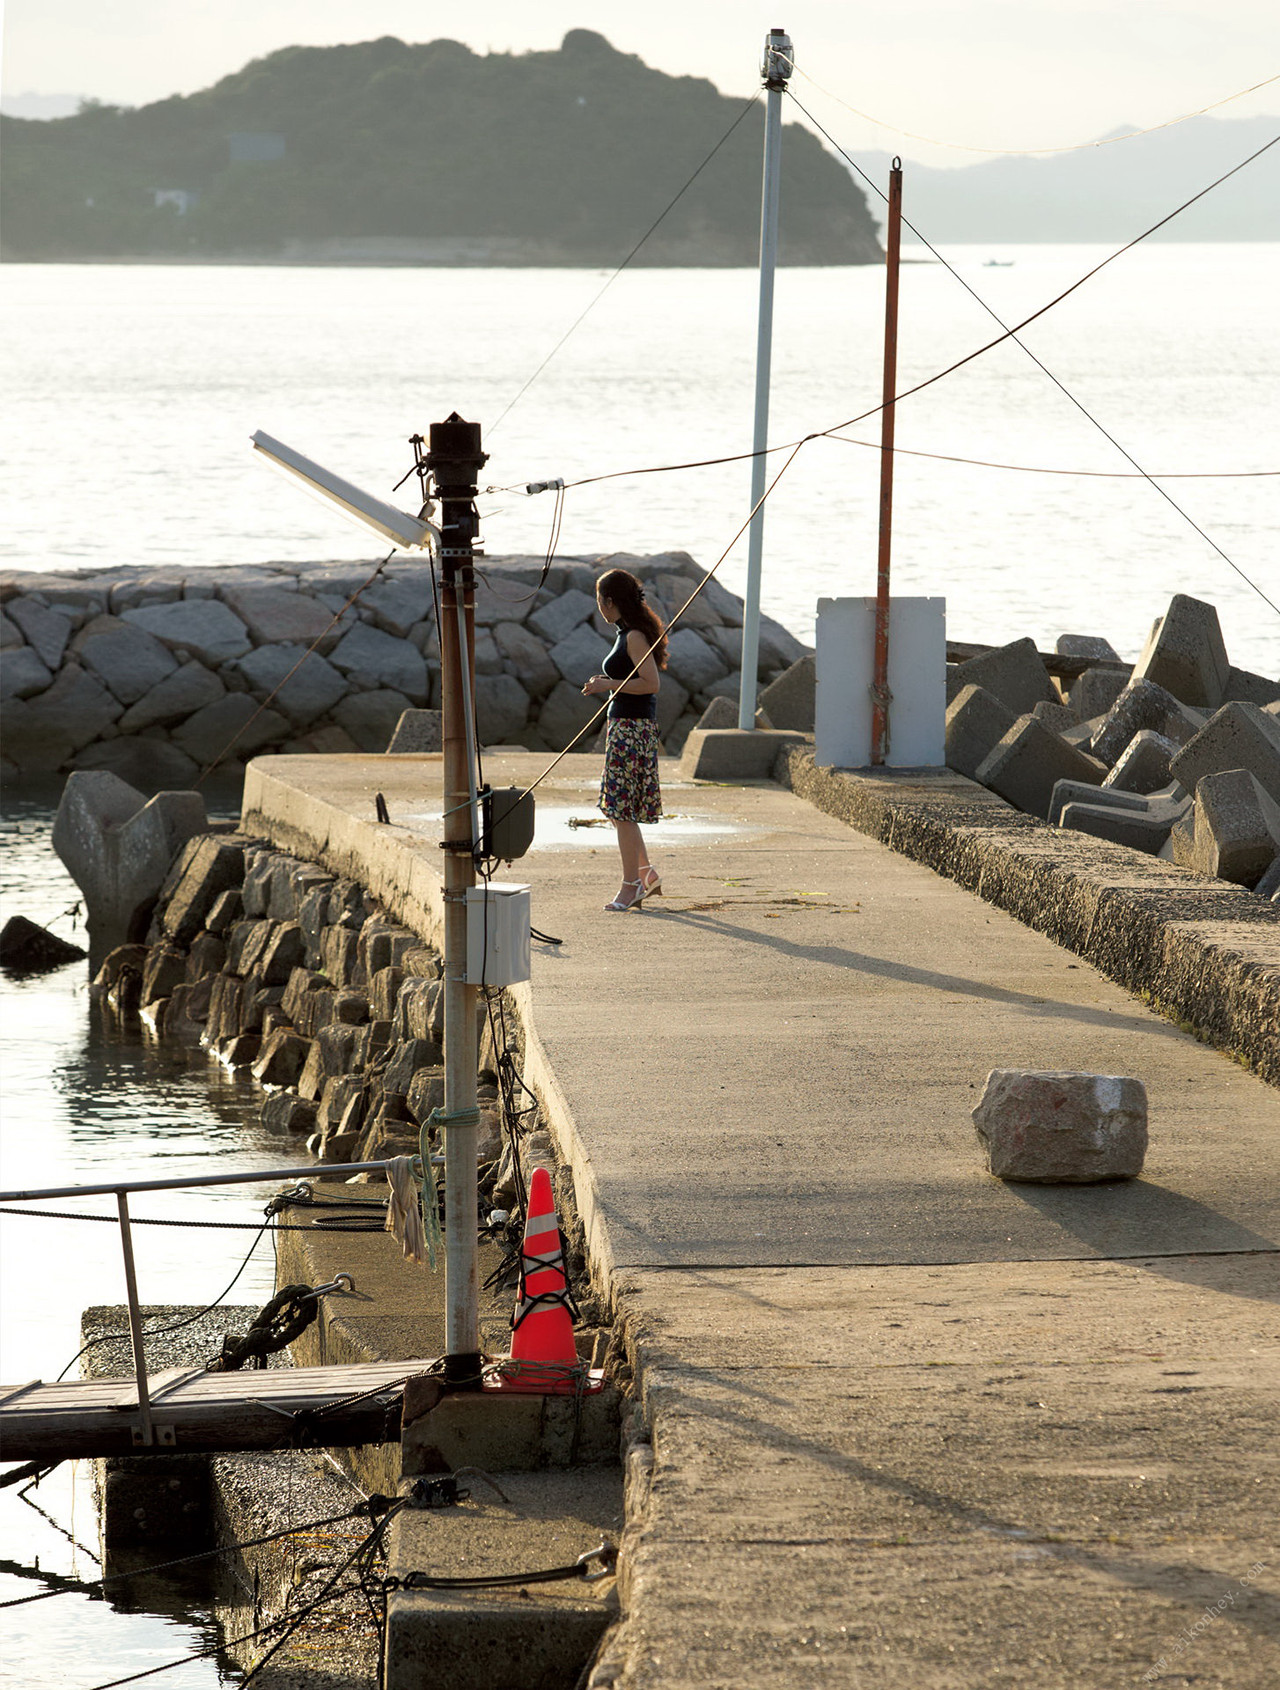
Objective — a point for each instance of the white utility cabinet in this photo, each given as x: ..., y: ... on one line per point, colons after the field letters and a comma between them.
x: 845, y: 667
x: 498, y: 917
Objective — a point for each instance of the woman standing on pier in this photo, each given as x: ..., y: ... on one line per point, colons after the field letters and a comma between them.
x: 629, y: 791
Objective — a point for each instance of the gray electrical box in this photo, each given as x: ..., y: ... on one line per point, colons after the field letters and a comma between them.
x: 498, y: 918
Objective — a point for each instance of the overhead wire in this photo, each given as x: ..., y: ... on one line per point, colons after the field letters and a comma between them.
x: 1012, y: 334
x: 585, y: 312
x: 794, y: 447
x: 1048, y: 469
x: 939, y: 375
x: 1031, y: 152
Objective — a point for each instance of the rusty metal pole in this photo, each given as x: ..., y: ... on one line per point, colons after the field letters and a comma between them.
x: 455, y: 459
x: 881, y: 698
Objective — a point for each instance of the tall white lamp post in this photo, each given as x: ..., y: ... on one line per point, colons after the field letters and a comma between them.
x: 775, y: 68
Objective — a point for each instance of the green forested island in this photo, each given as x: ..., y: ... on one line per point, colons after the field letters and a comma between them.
x: 385, y: 152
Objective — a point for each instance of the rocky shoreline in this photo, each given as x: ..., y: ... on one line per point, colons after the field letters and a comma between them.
x: 299, y: 979
x: 154, y: 675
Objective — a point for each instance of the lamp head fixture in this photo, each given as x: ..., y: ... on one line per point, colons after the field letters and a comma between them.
x: 778, y: 61
x: 374, y: 513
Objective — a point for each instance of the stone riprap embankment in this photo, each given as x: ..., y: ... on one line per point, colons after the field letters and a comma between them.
x: 296, y: 977
x: 1177, y: 757
x: 154, y: 674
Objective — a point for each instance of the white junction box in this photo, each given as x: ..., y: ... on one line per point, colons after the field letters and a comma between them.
x: 845, y: 667
x: 498, y: 917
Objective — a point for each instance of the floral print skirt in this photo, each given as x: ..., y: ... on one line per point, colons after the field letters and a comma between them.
x: 629, y: 788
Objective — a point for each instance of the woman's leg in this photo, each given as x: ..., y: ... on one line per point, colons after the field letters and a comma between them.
x: 630, y: 849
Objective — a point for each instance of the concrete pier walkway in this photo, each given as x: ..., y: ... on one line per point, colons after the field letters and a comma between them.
x: 911, y: 1426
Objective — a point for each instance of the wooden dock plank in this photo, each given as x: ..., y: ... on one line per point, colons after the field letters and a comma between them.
x: 207, y: 1411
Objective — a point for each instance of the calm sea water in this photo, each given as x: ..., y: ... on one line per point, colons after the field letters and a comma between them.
x: 133, y: 390
x: 84, y: 1102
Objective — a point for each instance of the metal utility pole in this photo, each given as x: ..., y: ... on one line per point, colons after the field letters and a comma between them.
x: 881, y: 697
x: 775, y: 68
x: 455, y: 459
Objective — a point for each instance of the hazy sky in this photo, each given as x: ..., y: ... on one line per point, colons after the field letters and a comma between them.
x: 992, y: 73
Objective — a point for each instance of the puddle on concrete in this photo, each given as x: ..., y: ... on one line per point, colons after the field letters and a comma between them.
x: 562, y: 827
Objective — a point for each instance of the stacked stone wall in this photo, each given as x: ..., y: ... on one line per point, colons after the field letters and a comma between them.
x: 296, y: 977
x: 152, y: 675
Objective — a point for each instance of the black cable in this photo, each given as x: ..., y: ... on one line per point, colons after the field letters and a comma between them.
x: 670, y: 206
x: 81, y: 1587
x: 370, y: 1546
x: 1012, y: 334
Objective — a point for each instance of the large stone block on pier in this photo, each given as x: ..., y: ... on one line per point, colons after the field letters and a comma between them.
x: 1012, y: 673
x: 976, y: 723
x: 401, y: 602
x: 1055, y: 1128
x: 1027, y: 763
x: 1237, y: 828
x: 566, y: 712
x: 1144, y: 704
x: 536, y: 672
x: 1185, y: 653
x: 1239, y: 736
x: 141, y: 761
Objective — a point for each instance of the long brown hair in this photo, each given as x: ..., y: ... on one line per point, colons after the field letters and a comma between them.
x: 620, y: 587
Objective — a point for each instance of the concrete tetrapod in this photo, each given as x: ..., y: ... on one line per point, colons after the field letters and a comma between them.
x: 118, y: 847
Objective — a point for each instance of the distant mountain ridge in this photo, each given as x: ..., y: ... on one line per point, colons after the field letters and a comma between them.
x: 1104, y: 193
x: 383, y: 152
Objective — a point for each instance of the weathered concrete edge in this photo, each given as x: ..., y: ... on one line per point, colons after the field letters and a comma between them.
x: 399, y: 868
x: 1202, y: 952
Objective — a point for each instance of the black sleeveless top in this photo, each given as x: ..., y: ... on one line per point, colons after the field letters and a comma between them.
x: 627, y: 706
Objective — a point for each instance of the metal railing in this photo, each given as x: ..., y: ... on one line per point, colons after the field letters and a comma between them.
x: 144, y: 1433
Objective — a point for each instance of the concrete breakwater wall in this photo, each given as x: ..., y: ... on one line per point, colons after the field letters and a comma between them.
x: 298, y: 977
x: 154, y: 674
x: 1203, y: 952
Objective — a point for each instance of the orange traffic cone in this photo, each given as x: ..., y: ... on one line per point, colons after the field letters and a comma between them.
x: 542, y: 1326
